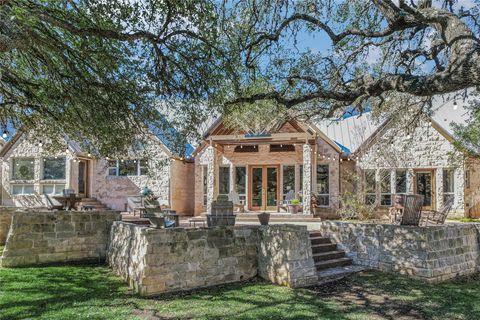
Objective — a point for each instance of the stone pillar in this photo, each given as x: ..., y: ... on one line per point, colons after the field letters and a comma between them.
x: 307, y: 178
x: 209, y: 156
x: 439, y: 188
x: 410, y: 177
x: 459, y: 189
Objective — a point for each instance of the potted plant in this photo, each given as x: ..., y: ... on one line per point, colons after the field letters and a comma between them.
x: 264, y: 217
x: 294, y: 206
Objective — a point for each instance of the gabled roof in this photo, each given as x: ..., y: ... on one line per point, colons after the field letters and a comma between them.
x: 355, y: 131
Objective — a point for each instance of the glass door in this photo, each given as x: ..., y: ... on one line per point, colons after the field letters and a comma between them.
x: 263, y: 188
x: 424, y: 185
x: 82, y: 178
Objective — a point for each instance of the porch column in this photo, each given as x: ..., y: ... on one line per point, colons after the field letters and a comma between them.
x: 410, y: 177
x: 209, y: 156
x: 439, y: 188
x: 307, y: 178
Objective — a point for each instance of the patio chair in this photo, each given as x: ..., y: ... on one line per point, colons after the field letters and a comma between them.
x: 412, y: 211
x: 283, y: 204
x: 437, y: 217
x: 237, y: 203
x: 52, y: 204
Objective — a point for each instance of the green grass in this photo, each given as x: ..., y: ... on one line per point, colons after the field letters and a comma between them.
x: 92, y: 292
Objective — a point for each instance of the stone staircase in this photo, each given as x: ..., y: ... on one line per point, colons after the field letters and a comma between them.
x: 92, y: 202
x: 331, y: 262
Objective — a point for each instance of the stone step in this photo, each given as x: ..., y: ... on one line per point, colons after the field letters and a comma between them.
x: 338, y: 273
x: 315, y: 234
x: 328, y: 255
x: 322, y: 265
x: 320, y: 240
x: 324, y: 247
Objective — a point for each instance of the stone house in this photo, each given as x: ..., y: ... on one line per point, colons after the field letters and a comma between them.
x: 28, y: 171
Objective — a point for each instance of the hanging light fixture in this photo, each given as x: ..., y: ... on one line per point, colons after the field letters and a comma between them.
x: 5, y: 134
x: 455, y: 106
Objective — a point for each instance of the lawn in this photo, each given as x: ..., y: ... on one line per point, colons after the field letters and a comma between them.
x: 92, y: 292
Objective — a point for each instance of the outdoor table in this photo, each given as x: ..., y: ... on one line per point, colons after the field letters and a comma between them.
x: 68, y: 203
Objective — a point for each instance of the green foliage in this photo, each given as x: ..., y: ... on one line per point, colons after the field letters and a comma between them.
x: 295, y: 202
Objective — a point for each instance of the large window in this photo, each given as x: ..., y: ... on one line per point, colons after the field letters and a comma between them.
x: 288, y: 180
x: 204, y: 184
x: 53, y: 189
x: 224, y: 180
x: 241, y: 182
x: 323, y: 188
x: 131, y: 167
x: 448, y: 185
x: 54, y: 168
x: 401, y: 181
x: 385, y: 188
x: 370, y: 196
x: 20, y: 189
x: 23, y: 169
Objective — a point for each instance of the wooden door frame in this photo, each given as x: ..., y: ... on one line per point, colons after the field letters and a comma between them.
x: 264, y: 181
x: 87, y: 176
x: 432, y: 171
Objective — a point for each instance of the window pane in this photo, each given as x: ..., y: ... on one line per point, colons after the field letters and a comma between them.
x: 128, y: 168
x: 22, y: 189
x: 240, y: 179
x: 448, y: 184
x: 386, y: 200
x: 59, y: 188
x: 112, y: 167
x: 23, y: 169
x: 322, y: 179
x: 401, y: 181
x: 48, y: 189
x: 143, y: 167
x: 385, y: 181
x: 370, y: 181
x: 448, y: 198
x: 288, y: 179
x: 54, y: 169
x: 224, y: 180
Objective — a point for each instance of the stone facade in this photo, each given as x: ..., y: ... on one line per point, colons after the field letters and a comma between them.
x: 155, y: 261
x: 431, y: 254
x: 5, y: 222
x: 424, y: 147
x: 285, y: 256
x: 472, y: 187
x: 26, y: 147
x: 37, y: 238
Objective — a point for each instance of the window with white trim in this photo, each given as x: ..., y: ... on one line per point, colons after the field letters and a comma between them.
x: 385, y: 188
x: 323, y: 187
x: 130, y: 167
x: 224, y: 180
x: 23, y: 169
x: 370, y: 195
x: 54, y: 168
x: 448, y: 185
x: 22, y: 189
x: 53, y: 189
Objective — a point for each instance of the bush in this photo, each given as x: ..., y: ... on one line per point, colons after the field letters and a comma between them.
x: 353, y: 206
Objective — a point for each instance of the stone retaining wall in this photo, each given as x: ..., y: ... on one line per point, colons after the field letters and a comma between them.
x: 57, y: 237
x: 433, y: 254
x: 5, y: 221
x: 285, y: 256
x: 155, y: 261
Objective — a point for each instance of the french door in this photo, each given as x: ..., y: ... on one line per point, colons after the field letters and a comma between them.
x: 83, y: 178
x: 425, y: 186
x: 263, y: 191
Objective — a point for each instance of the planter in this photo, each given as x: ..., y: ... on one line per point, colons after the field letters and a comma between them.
x: 293, y: 208
x: 264, y: 218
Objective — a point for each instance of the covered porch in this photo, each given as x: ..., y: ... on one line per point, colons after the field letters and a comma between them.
x: 263, y: 172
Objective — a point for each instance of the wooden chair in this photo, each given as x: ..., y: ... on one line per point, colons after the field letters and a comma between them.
x: 52, y: 204
x: 237, y: 203
x: 437, y: 217
x: 282, y: 204
x: 412, y: 211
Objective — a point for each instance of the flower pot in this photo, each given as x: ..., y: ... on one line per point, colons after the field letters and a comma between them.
x: 264, y: 217
x: 293, y: 208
